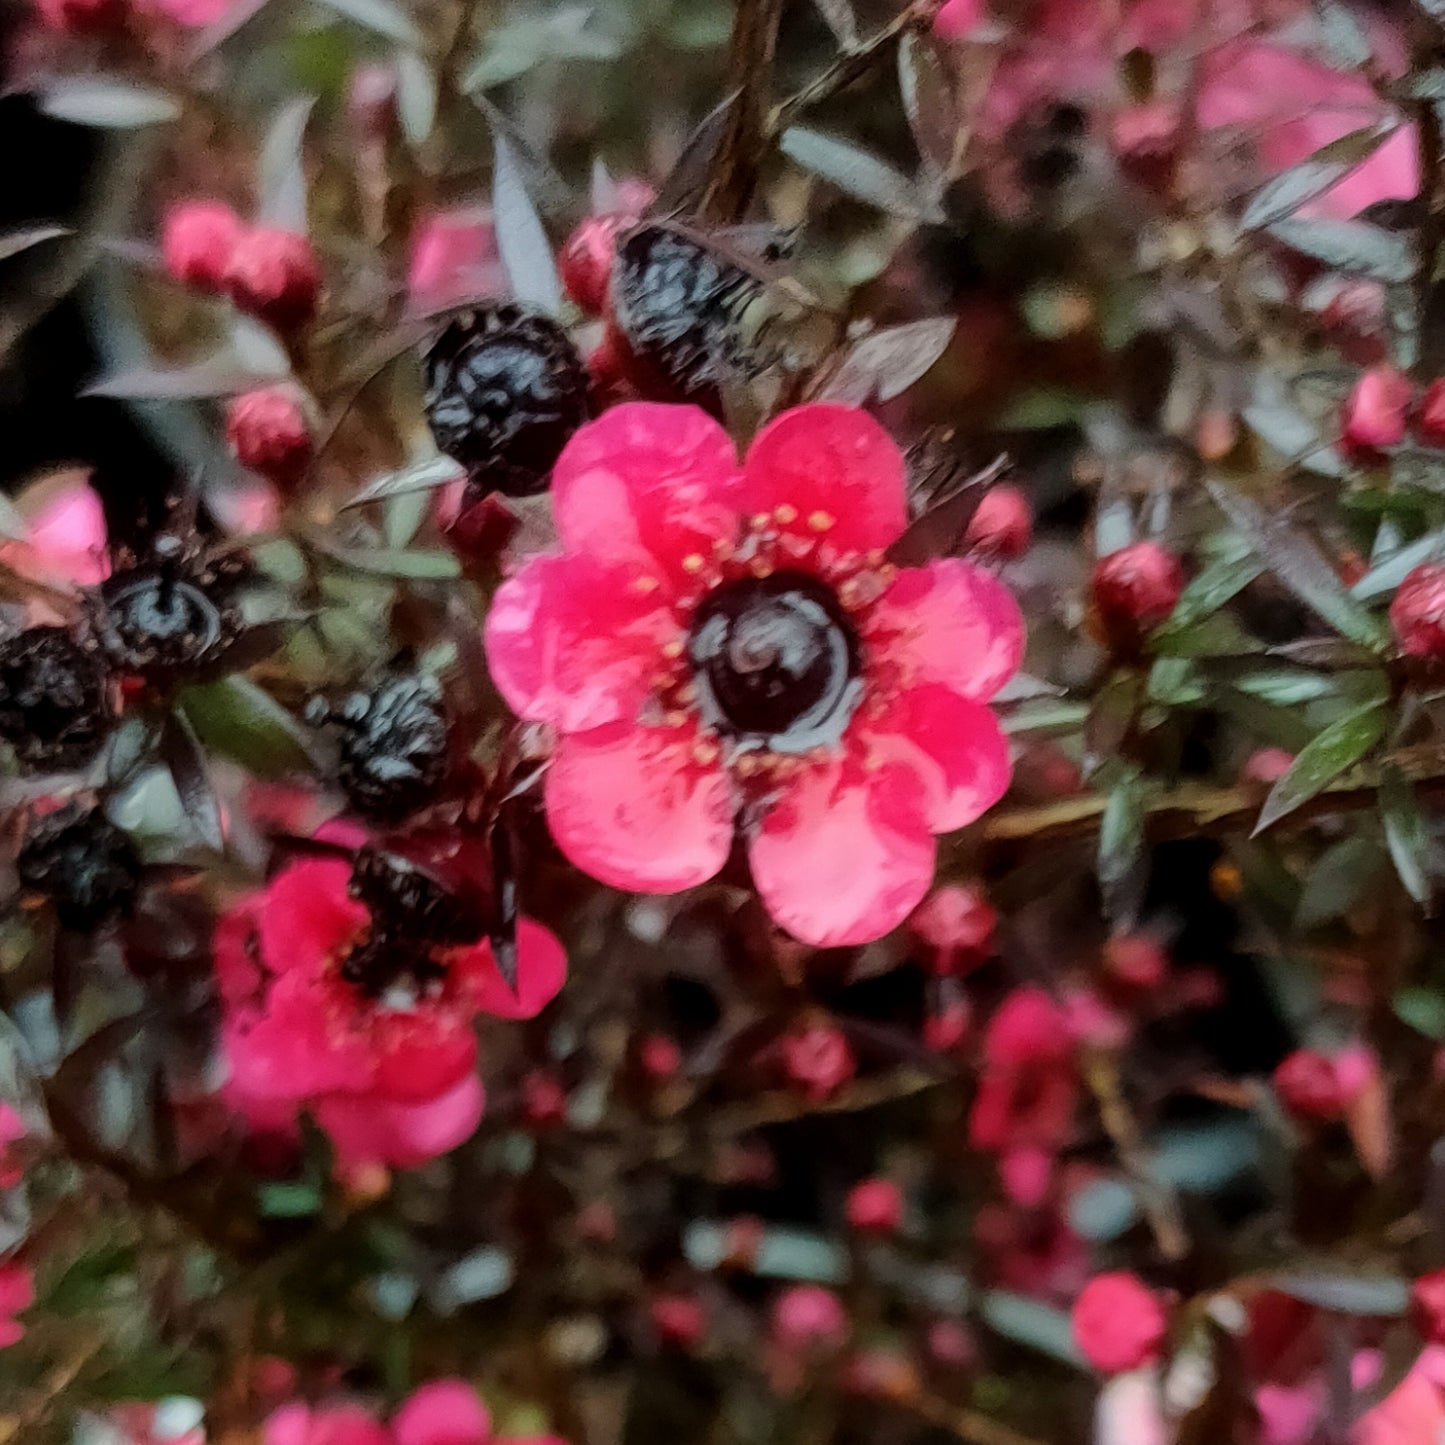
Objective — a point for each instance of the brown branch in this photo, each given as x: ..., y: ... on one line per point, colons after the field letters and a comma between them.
x: 972, y: 1426
x: 752, y: 49
x: 1195, y: 808
x: 852, y: 64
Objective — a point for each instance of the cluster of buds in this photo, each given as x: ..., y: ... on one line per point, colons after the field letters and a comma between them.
x: 268, y: 272
x: 1133, y: 591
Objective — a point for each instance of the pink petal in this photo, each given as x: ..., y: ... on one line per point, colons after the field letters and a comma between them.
x: 12, y: 1126
x: 238, y: 973
x: 1413, y: 1413
x: 955, y: 747
x: 646, y: 482
x: 833, y: 465
x: 453, y: 258
x: 842, y: 858
x: 572, y: 642
x: 308, y: 917
x: 630, y: 806
x: 11, y: 1333
x: 421, y: 1052
x: 444, y: 1412
x: 541, y: 972
x: 367, y: 1129
x: 296, y: 1046
x: 951, y: 623
x: 67, y: 532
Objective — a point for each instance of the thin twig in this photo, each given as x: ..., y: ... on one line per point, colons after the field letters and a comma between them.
x: 1160, y: 1204
x: 852, y: 64
x: 972, y: 1426
x: 1194, y: 808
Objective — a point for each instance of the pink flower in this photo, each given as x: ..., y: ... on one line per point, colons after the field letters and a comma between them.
x: 192, y: 13
x: 65, y: 541
x: 300, y: 1424
x: 1028, y: 1086
x: 1119, y: 1324
x: 1413, y: 1413
x: 1266, y: 765
x: 17, y: 1294
x: 443, y: 1412
x: 365, y: 1025
x: 720, y: 645
x: 12, y: 1130
x: 875, y: 1207
x: 454, y: 258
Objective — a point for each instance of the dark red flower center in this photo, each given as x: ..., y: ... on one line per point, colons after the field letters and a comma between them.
x: 776, y: 661
x: 381, y: 962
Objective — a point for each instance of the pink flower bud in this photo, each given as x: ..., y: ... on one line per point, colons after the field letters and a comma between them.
x: 12, y: 1131
x: 660, y: 1058
x: 268, y: 433
x: 1026, y: 1175
x: 807, y: 1315
x: 1003, y: 524
x: 1417, y: 614
x: 956, y: 925
x: 958, y: 19
x: 679, y: 1320
x: 1375, y: 412
x: 198, y: 240
x: 1267, y: 766
x: 586, y: 260
x: 1427, y: 1299
x: 1310, y: 1085
x: 948, y: 1026
x: 951, y: 1345
x: 275, y: 274
x: 84, y: 17
x: 875, y: 1207
x: 1118, y: 1322
x: 1136, y: 960
x: 1430, y: 419
x: 1136, y: 588
x: 818, y: 1060
x: 544, y: 1100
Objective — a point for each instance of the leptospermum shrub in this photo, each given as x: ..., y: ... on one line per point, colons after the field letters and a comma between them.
x: 760, y: 765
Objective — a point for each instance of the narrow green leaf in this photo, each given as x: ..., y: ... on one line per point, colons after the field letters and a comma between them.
x: 383, y: 17
x: 1406, y: 835
x: 1338, y: 747
x: 1218, y: 583
x: 1300, y: 565
x: 1301, y: 183
x: 418, y: 566
x: 1353, y: 246
x: 521, y: 238
x: 239, y: 720
x: 106, y: 102
x: 858, y: 173
x: 1121, y: 851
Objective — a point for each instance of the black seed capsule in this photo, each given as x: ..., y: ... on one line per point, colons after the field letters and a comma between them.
x: 392, y: 743
x: 83, y: 863
x: 505, y: 388
x: 56, y: 703
x: 677, y: 306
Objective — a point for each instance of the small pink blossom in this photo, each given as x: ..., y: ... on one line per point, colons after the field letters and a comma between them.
x: 679, y: 1320
x: 442, y: 1412
x: 807, y: 1315
x: 1417, y: 613
x: 818, y: 1060
x: 958, y: 19
x: 386, y: 1065
x: 342, y: 1424
x: 65, y: 541
x: 1003, y: 525
x: 956, y: 924
x: 1028, y: 1087
x: 1118, y: 1323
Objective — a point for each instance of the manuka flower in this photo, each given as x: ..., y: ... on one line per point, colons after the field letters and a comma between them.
x: 722, y: 646
x: 363, y: 1017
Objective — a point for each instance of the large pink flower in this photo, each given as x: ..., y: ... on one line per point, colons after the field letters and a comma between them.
x: 722, y: 645
x: 367, y: 1027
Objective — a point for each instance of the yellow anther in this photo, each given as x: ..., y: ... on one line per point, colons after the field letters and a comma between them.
x: 693, y: 563
x: 821, y: 521
x: 673, y: 648
x: 646, y: 585
x: 786, y: 513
